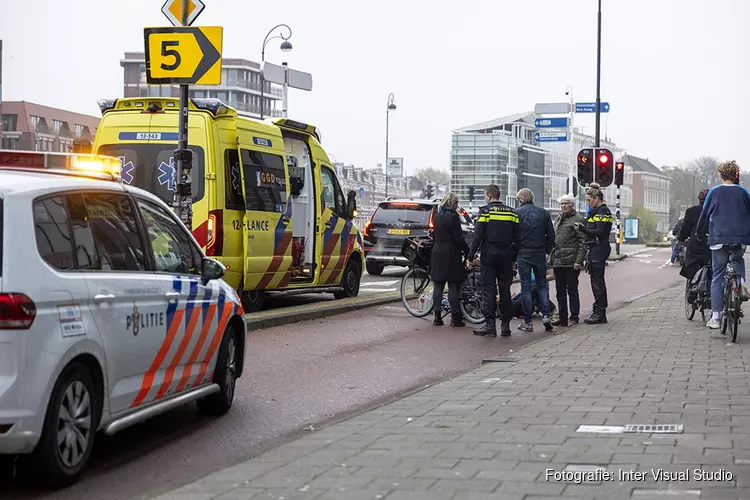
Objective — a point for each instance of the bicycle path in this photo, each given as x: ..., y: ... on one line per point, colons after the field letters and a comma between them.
x: 512, y: 430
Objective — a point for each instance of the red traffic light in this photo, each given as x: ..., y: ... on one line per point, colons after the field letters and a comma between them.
x: 620, y: 165
x: 603, y: 158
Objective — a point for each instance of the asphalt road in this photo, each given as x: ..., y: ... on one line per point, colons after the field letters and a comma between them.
x: 308, y: 374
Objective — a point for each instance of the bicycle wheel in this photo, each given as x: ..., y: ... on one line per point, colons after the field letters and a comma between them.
x: 416, y: 292
x: 703, y: 309
x: 736, y: 308
x: 470, y: 304
x: 728, y: 309
x: 689, y: 308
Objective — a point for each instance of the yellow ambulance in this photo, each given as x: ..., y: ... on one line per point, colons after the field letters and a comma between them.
x: 266, y: 200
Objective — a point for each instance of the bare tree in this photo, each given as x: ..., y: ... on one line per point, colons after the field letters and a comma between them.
x: 704, y: 171
x: 431, y: 174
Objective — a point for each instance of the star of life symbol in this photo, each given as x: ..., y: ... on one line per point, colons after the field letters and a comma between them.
x: 167, y: 174
x: 126, y: 170
x: 236, y: 179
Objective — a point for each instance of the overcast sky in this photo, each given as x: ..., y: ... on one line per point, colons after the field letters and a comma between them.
x: 675, y: 72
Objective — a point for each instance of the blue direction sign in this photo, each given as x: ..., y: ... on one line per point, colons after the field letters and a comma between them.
x: 590, y: 107
x: 551, y: 137
x: 361, y: 192
x: 551, y: 122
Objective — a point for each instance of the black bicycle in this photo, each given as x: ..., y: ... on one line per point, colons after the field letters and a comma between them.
x: 731, y: 317
x: 698, y: 293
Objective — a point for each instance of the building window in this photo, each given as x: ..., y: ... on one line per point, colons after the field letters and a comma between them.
x: 10, y: 143
x: 58, y: 125
x: 35, y: 120
x: 10, y: 122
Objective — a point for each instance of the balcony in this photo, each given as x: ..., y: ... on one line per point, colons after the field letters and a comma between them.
x: 250, y: 85
x: 248, y: 108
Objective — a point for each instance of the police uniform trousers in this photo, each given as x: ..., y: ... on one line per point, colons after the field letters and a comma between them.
x: 496, y: 273
x: 597, y: 260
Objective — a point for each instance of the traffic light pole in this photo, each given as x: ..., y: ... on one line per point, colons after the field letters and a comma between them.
x: 183, y: 157
x: 598, y: 73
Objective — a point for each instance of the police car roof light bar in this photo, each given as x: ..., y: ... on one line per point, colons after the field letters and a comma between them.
x: 98, y: 166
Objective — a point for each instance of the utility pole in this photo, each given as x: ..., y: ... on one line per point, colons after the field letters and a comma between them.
x: 598, y: 73
x: 285, y: 91
x: 183, y: 199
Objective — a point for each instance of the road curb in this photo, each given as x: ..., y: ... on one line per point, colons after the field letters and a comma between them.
x: 279, y: 317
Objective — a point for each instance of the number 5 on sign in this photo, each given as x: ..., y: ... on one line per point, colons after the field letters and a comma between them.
x: 183, y: 55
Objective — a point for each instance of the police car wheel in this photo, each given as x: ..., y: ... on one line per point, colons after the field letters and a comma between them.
x: 349, y: 281
x: 225, y: 376
x: 69, y: 427
x: 374, y: 268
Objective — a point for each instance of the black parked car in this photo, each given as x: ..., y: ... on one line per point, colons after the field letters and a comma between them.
x: 395, y: 219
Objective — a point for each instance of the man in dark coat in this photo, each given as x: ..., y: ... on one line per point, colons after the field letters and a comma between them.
x: 447, y: 259
x: 698, y: 253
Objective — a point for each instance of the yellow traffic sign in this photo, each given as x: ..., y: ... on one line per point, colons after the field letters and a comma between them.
x: 184, y: 55
x: 172, y: 9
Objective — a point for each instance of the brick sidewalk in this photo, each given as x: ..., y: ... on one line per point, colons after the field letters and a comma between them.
x: 508, y: 430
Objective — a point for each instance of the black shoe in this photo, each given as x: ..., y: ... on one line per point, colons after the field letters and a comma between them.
x: 560, y: 322
x: 438, y: 321
x: 457, y: 320
x: 596, y: 320
x: 488, y: 330
x: 505, y: 330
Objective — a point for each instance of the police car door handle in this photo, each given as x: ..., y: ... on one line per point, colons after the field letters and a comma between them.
x: 104, y: 297
x: 172, y: 296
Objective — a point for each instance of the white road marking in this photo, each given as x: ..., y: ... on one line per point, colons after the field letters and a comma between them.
x: 379, y: 283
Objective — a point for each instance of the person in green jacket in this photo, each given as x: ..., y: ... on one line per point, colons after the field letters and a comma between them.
x: 567, y: 261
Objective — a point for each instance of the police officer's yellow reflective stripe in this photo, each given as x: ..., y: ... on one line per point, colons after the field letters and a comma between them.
x: 600, y: 218
x: 510, y: 217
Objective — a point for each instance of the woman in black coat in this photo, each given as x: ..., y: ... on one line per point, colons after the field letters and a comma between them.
x: 447, y: 259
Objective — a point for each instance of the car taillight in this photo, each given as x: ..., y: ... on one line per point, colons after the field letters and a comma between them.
x: 215, y: 242
x: 17, y: 311
x: 366, y: 229
x: 431, y: 224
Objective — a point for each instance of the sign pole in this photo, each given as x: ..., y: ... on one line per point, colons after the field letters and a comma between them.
x: 619, y: 236
x: 598, y: 72
x: 285, y: 91
x: 183, y: 156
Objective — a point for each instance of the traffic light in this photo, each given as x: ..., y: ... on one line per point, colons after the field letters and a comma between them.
x: 619, y: 173
x: 604, y: 167
x: 585, y: 167
x: 430, y: 192
x: 471, y: 193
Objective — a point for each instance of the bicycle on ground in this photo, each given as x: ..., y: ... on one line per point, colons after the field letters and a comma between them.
x: 731, y: 317
x: 698, y: 294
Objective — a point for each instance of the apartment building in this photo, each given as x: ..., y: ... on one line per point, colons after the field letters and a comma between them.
x: 240, y: 86
x: 34, y: 127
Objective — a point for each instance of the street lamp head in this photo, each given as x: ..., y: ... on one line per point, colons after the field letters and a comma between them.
x: 391, y: 107
x: 286, y: 46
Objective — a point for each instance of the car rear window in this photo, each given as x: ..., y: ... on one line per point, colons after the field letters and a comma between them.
x: 402, y: 213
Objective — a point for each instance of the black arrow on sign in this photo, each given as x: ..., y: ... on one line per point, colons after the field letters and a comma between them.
x: 210, y: 54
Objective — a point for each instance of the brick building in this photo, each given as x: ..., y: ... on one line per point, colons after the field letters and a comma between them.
x: 33, y: 127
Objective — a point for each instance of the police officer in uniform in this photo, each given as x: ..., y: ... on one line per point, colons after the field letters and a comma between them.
x: 496, y: 234
x: 597, y: 228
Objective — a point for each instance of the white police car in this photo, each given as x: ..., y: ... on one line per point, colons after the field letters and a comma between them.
x: 109, y: 312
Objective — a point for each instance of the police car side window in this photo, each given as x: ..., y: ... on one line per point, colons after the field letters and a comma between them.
x: 87, y: 255
x: 171, y: 245
x: 52, y: 230
x: 116, y: 233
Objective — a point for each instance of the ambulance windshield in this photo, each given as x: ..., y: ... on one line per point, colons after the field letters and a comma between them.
x: 151, y: 167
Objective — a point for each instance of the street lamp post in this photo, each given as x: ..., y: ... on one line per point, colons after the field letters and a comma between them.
x: 286, y: 46
x: 390, y: 106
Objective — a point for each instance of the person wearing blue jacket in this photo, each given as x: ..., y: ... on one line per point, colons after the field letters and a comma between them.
x: 726, y: 219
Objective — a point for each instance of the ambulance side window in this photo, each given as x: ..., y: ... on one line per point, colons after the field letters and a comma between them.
x: 233, y: 180
x: 332, y: 194
x: 264, y: 176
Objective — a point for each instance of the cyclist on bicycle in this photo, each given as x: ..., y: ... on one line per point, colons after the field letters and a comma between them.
x: 726, y: 219
x: 697, y: 254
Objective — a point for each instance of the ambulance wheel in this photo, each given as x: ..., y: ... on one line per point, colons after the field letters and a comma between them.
x: 252, y: 300
x: 69, y: 428
x: 374, y: 268
x: 350, y: 281
x: 225, y: 376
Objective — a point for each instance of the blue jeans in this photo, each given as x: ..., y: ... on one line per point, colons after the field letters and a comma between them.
x: 526, y: 264
x: 719, y: 260
x: 675, y: 251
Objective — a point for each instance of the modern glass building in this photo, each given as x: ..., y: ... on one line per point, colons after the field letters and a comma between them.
x: 504, y: 152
